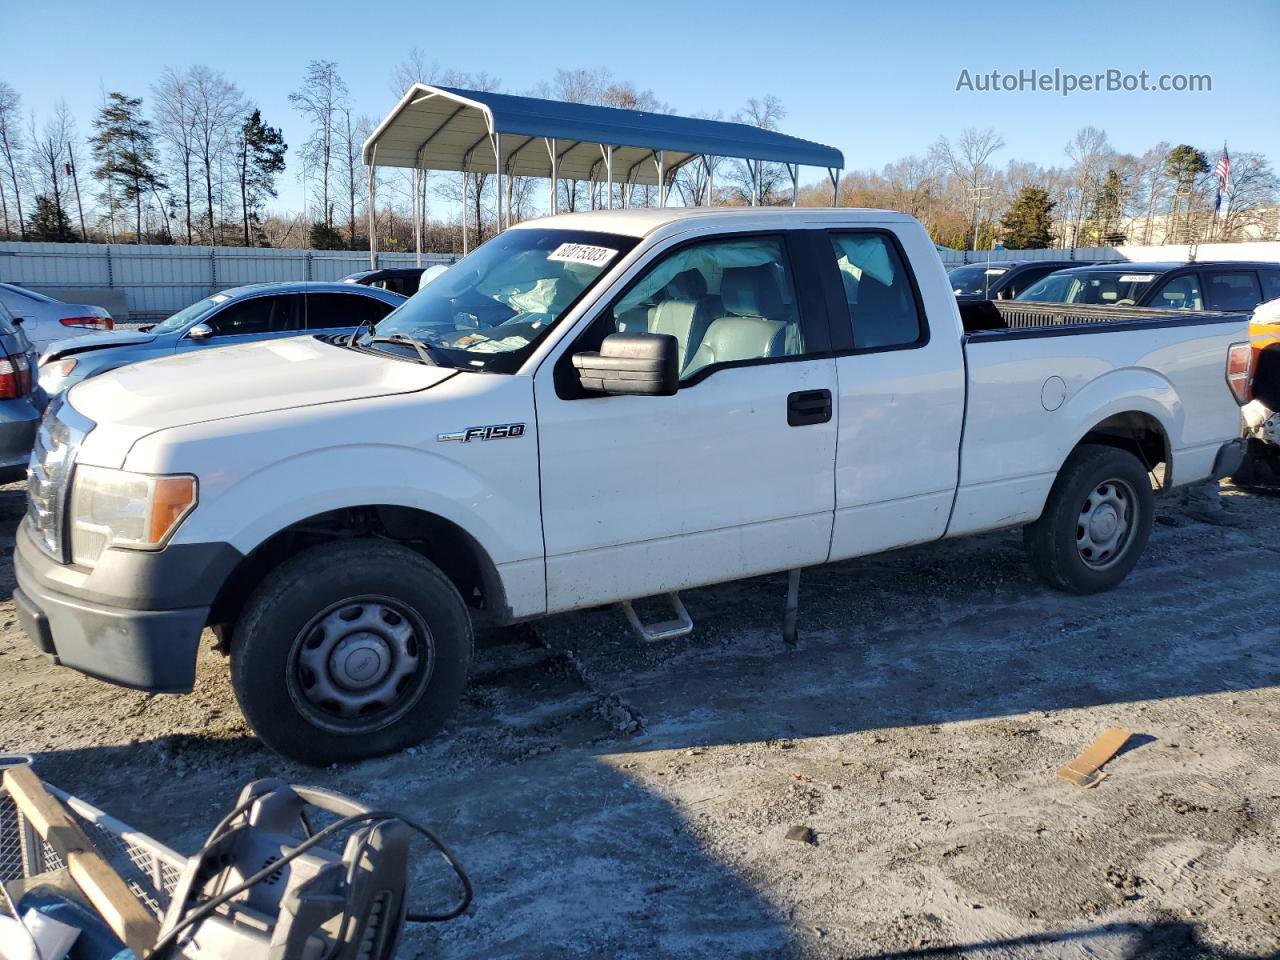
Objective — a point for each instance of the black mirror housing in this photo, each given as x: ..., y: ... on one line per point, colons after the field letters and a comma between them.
x: 640, y: 364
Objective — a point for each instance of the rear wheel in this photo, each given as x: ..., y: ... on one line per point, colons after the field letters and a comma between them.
x: 350, y: 650
x: 1095, y: 523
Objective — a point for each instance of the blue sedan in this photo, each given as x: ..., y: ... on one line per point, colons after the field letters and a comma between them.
x: 264, y: 311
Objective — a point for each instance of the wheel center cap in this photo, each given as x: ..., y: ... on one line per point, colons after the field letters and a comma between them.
x: 1104, y: 522
x: 360, y: 660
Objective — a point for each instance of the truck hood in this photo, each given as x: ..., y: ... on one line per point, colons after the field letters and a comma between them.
x: 97, y: 341
x: 223, y: 382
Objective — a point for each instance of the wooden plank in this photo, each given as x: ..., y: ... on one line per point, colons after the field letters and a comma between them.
x: 105, y: 889
x: 1084, y: 770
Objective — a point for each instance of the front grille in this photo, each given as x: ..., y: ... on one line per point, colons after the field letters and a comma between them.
x: 49, y: 477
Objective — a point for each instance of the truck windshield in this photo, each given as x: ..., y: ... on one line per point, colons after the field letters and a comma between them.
x: 490, y: 309
x: 975, y: 280
x: 1119, y: 288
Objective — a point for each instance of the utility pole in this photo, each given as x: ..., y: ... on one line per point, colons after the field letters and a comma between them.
x: 976, y: 196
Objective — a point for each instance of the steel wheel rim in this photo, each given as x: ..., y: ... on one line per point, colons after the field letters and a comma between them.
x: 360, y: 664
x: 1105, y: 525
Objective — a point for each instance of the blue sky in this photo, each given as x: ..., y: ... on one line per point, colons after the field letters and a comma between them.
x: 876, y: 80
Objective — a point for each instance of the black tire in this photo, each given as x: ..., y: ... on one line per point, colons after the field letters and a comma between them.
x: 377, y: 605
x: 1067, y: 550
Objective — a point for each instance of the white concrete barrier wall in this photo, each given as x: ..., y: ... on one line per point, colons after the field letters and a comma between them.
x: 157, y: 281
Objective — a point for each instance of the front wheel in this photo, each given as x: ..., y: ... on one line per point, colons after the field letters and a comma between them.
x: 350, y: 650
x: 1095, y: 523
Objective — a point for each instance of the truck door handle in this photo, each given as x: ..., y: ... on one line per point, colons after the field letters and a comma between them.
x: 806, y: 407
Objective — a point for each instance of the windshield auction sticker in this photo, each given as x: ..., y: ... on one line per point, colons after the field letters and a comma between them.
x: 582, y: 253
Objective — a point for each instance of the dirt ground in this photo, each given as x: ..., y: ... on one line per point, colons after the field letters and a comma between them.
x: 617, y: 800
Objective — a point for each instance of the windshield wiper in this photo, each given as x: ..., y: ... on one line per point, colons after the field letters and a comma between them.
x: 369, y: 321
x: 429, y: 354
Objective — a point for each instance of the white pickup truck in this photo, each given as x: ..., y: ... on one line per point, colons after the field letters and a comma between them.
x: 587, y: 410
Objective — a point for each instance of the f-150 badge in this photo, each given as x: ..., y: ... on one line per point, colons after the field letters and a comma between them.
x: 494, y: 431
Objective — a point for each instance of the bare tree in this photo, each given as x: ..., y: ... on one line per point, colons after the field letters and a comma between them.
x: 766, y: 113
x: 320, y: 100
x: 11, y: 149
x: 1090, y: 155
x: 66, y: 124
x: 218, y: 111
x: 49, y: 150
x: 969, y: 160
x: 1248, y: 205
x: 415, y: 68
x: 175, y: 125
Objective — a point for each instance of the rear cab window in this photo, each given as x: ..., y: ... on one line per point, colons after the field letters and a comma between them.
x: 880, y: 299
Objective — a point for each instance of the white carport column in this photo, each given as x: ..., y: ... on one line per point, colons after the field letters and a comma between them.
x: 464, y: 213
x: 608, y: 172
x: 552, y: 147
x: 373, y: 208
x: 497, y: 165
x: 706, y: 162
x: 662, y: 178
x: 794, y: 170
x: 834, y: 173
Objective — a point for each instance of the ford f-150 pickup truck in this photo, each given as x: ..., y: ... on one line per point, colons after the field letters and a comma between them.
x: 591, y: 409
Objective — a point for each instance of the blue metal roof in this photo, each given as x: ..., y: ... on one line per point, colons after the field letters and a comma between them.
x: 531, y: 116
x: 448, y: 128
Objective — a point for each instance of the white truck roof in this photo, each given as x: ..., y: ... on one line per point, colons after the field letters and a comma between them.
x: 641, y: 222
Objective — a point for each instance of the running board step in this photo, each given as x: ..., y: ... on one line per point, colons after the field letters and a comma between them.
x: 681, y: 626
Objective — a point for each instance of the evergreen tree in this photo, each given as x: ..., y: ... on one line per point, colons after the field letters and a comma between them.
x: 49, y: 222
x: 1185, y: 164
x: 326, y: 237
x: 126, y: 154
x: 1026, y: 225
x: 259, y: 160
x: 1106, y: 209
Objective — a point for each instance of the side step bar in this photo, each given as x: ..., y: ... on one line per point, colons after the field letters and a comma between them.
x: 681, y: 626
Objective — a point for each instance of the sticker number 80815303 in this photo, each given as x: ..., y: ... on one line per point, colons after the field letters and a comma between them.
x: 583, y: 253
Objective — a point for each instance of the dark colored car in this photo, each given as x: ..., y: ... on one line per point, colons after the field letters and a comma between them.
x: 21, y: 399
x: 401, y: 280
x: 1238, y: 285
x: 1001, y: 279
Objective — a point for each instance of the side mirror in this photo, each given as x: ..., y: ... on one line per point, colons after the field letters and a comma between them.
x: 201, y: 331
x: 641, y: 364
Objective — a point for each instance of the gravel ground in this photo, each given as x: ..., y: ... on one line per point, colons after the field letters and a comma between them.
x: 618, y: 800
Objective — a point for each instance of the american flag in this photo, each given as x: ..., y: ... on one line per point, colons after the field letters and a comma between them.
x: 1223, y: 172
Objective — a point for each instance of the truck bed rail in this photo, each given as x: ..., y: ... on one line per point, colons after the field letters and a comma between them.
x: 996, y: 317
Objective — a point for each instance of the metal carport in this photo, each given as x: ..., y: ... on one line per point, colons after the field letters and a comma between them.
x: 445, y: 128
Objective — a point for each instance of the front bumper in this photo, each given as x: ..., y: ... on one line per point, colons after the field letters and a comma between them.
x: 134, y: 620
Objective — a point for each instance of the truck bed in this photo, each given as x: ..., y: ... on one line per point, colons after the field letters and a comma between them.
x: 1049, y: 374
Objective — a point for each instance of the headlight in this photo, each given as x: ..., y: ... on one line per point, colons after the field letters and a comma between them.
x: 58, y: 368
x: 115, y: 508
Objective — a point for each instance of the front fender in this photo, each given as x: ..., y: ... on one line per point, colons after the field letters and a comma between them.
x: 245, y: 510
